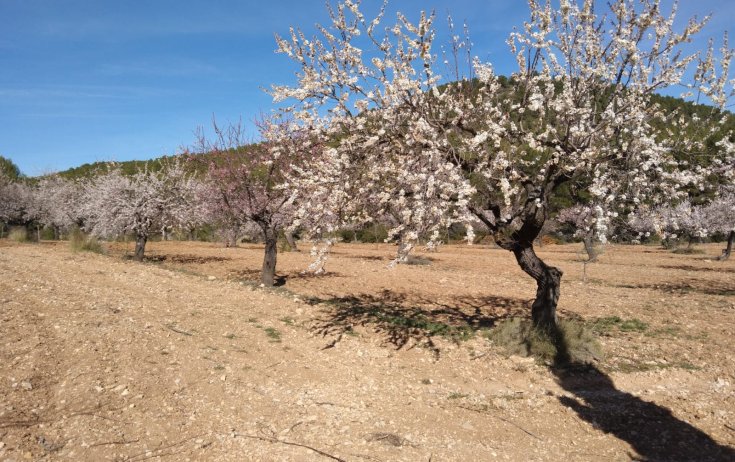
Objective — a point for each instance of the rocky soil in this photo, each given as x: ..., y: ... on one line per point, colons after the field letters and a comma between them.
x: 186, y: 358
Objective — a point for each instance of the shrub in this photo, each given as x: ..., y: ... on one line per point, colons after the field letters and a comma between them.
x: 375, y: 233
x: 688, y: 251
x: 417, y: 260
x: 606, y: 324
x: 47, y: 233
x: 80, y: 242
x: 571, y: 342
x: 18, y: 234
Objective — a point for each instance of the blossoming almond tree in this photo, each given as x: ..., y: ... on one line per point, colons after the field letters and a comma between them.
x: 246, y: 182
x: 589, y: 223
x: 140, y: 204
x: 15, y: 201
x: 721, y: 211
x: 720, y: 216
x: 682, y: 221
x: 578, y: 109
x: 56, y: 203
x: 642, y: 224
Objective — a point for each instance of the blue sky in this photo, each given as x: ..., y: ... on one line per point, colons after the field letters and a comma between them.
x: 95, y: 80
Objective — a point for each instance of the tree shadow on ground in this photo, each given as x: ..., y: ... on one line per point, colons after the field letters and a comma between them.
x: 253, y: 276
x: 185, y: 259
x: 650, y: 429
x: 366, y: 257
x: 705, y: 269
x: 702, y: 286
x: 411, y: 321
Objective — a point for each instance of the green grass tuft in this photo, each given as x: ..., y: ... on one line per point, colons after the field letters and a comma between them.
x: 273, y: 334
x: 610, y: 323
x: 429, y: 327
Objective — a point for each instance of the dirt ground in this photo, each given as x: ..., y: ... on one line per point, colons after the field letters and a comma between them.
x: 185, y: 358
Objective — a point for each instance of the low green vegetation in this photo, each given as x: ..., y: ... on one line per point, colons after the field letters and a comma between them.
x: 18, y: 234
x: 429, y: 327
x: 572, y: 342
x: 688, y: 251
x: 273, y: 334
x: 417, y: 260
x: 81, y: 242
x: 288, y: 321
x: 610, y: 323
x: 641, y: 366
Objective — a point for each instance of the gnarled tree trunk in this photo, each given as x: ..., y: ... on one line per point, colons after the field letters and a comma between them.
x: 728, y: 250
x: 518, y: 237
x: 270, y: 234
x: 320, y: 250
x: 290, y: 240
x: 548, y: 282
x: 404, y: 249
x: 140, y: 242
x: 230, y: 235
x: 589, y: 247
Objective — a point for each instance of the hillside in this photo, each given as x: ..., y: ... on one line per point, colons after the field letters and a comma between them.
x: 668, y: 104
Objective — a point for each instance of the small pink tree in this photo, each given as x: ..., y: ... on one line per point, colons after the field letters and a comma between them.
x: 246, y: 183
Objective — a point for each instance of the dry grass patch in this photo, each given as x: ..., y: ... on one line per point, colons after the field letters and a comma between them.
x: 572, y: 342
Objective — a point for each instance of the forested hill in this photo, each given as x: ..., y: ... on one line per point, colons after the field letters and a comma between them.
x: 193, y: 162
x: 128, y: 167
x: 667, y: 103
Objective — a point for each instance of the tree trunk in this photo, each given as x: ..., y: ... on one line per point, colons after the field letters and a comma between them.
x: 404, y: 249
x: 589, y: 247
x: 231, y: 240
x: 140, y: 247
x: 290, y: 240
x: 728, y: 250
x: 267, y: 276
x: 321, y: 253
x: 548, y: 281
x: 518, y: 237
